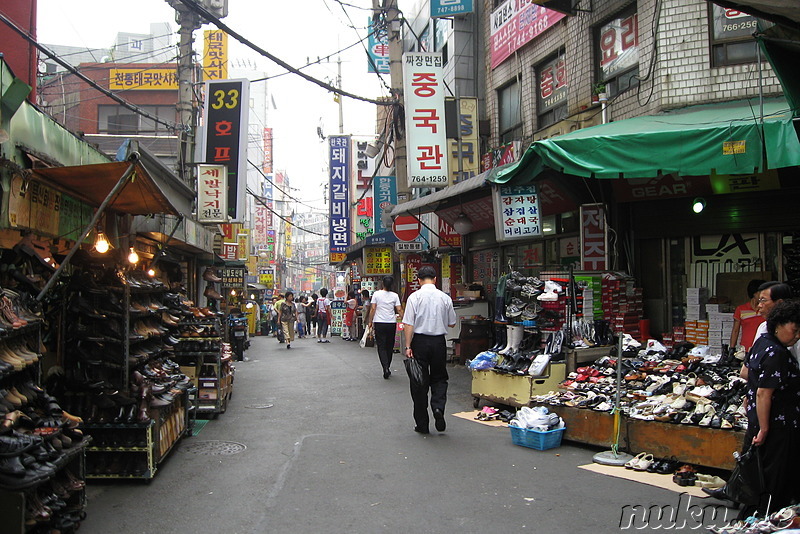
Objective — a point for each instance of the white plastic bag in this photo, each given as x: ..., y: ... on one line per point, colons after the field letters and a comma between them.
x: 367, y: 334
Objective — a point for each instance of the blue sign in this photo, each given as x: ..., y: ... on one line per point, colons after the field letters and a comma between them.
x: 448, y: 8
x: 384, y: 190
x: 378, y: 49
x: 339, y: 193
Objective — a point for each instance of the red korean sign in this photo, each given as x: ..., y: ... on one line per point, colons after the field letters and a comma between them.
x: 594, y: 241
x: 425, y: 125
x: 515, y: 23
x: 448, y: 237
x: 225, y: 136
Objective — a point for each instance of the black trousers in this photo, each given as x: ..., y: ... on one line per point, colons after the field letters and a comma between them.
x: 431, y: 352
x: 384, y: 342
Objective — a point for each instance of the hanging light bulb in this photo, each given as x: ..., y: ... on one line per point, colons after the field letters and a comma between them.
x: 698, y: 205
x: 151, y: 272
x: 101, y: 244
x: 252, y: 296
x: 233, y: 292
x: 463, y: 224
x: 133, y: 257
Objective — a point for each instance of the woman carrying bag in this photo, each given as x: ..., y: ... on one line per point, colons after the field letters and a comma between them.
x: 384, y: 309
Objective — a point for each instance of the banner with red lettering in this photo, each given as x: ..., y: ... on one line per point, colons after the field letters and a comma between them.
x: 594, y: 241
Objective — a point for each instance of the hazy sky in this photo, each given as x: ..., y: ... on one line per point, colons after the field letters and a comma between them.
x: 292, y: 31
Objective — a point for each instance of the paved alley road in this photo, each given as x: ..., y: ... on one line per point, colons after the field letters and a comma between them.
x: 336, y: 453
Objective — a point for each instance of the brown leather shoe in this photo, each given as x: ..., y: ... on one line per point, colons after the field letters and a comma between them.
x: 211, y: 276
x: 212, y: 293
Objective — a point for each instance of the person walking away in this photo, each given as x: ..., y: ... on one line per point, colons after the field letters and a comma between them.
x: 266, y: 313
x: 746, y: 318
x: 302, y: 306
x: 287, y: 315
x: 364, y: 310
x: 323, y: 314
x: 311, y: 315
x: 274, y: 324
x: 382, y: 318
x: 349, y: 316
x: 429, y: 313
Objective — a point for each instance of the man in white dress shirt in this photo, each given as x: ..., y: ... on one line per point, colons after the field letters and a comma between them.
x: 429, y: 313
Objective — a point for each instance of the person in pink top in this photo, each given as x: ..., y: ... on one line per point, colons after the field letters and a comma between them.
x: 746, y: 318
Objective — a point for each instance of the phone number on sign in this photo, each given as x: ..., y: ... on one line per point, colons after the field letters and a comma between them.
x: 428, y: 179
x: 739, y: 26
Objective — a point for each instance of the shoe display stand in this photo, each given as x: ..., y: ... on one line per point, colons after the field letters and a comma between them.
x: 206, y: 360
x: 515, y: 390
x: 119, y: 350
x: 50, y: 493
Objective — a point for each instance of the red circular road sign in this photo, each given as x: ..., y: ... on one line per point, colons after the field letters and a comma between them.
x: 406, y: 228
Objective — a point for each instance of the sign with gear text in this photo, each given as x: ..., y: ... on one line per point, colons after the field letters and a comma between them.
x: 427, y: 146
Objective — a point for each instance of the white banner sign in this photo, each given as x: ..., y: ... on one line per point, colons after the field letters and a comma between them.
x: 212, y: 197
x: 425, y: 127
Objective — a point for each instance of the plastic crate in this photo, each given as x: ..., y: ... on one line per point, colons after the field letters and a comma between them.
x: 533, y: 439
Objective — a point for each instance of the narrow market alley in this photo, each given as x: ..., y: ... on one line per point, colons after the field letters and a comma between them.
x: 315, y: 440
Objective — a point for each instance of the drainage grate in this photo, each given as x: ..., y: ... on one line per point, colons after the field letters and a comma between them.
x: 215, y: 448
x: 260, y: 406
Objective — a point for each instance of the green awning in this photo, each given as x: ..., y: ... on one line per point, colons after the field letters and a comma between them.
x: 695, y: 141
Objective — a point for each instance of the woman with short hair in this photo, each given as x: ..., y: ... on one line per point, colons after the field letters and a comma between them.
x: 384, y: 309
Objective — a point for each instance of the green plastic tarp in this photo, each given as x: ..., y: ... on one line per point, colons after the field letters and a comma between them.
x: 721, y: 138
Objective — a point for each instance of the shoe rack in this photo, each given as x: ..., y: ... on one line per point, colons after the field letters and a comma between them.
x: 42, y: 450
x: 132, y: 396
x: 205, y: 358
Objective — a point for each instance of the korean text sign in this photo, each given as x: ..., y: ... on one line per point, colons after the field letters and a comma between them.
x: 448, y: 8
x: 515, y: 23
x: 378, y: 50
x: 594, y: 245
x: 516, y: 211
x: 385, y: 191
x: 225, y: 138
x: 425, y: 124
x: 212, y: 193
x: 377, y: 261
x: 339, y: 152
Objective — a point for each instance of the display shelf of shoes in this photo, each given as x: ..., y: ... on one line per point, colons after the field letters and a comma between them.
x: 42, y: 465
x: 121, y: 450
x: 200, y: 352
x: 514, y: 389
x: 50, y: 502
x: 131, y: 324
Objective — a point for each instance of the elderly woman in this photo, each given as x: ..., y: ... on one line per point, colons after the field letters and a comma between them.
x: 773, y: 403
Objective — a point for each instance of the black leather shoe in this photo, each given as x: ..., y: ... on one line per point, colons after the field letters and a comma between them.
x: 386, y: 374
x: 421, y: 430
x: 439, y: 423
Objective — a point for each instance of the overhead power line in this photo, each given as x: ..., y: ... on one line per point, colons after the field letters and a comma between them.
x: 83, y: 77
x: 281, y: 217
x: 197, y: 8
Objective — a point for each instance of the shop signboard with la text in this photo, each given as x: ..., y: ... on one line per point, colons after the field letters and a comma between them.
x: 225, y: 137
x: 514, y: 24
x: 424, y: 92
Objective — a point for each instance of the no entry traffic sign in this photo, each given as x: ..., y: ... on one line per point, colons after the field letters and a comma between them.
x: 406, y: 228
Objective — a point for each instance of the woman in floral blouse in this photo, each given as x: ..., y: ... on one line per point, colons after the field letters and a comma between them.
x: 773, y: 403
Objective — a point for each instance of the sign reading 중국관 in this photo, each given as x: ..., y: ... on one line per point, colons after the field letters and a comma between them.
x: 425, y: 125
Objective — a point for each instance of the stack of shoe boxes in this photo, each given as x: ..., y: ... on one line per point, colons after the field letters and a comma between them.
x: 720, y: 326
x: 592, y: 301
x: 696, y: 323
x: 622, y: 305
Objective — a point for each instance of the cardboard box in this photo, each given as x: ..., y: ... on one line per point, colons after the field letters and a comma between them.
x: 207, y: 394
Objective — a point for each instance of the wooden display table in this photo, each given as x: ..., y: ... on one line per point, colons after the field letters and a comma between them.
x: 692, y: 444
x: 515, y: 390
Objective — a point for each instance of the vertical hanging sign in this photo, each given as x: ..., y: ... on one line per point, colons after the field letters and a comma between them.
x: 363, y: 169
x: 425, y: 126
x: 378, y: 51
x: 212, y: 187
x: 385, y: 191
x: 215, y: 55
x: 339, y: 165
x: 594, y: 241
x: 225, y: 136
x: 267, y: 166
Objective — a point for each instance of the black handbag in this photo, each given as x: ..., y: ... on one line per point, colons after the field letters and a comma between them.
x: 746, y: 485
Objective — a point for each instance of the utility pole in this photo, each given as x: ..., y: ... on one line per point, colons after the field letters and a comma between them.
x: 189, y: 21
x: 340, y: 98
x: 394, y: 26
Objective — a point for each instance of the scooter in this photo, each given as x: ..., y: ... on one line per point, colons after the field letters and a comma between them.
x: 239, y: 343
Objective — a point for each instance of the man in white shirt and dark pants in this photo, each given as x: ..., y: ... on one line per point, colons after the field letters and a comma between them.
x: 429, y: 313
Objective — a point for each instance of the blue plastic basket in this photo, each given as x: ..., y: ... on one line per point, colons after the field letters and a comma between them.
x: 533, y: 439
